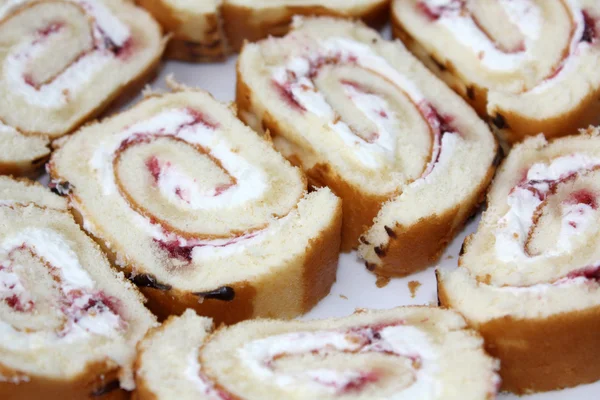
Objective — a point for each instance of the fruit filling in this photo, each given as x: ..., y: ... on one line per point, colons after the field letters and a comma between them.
x: 529, y: 200
x: 245, y: 183
x: 590, y: 30
x: 374, y: 143
x: 85, y: 309
x: 455, y: 16
x: 111, y: 40
x: 272, y: 359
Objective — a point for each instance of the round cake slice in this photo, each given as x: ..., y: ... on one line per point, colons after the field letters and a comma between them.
x: 63, y: 62
x: 404, y: 353
x: 200, y: 211
x: 410, y: 159
x: 528, y: 279
x: 529, y: 66
x: 69, y: 324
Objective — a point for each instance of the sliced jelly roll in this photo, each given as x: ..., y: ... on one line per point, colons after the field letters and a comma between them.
x: 63, y: 62
x: 69, y: 324
x: 200, y: 211
x: 251, y: 20
x: 529, y: 277
x: 196, y: 28
x: 404, y: 353
x: 364, y: 117
x: 529, y: 65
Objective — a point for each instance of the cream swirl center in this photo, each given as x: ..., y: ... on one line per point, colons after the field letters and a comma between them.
x: 91, y: 50
x: 412, y: 347
x: 85, y: 310
x: 374, y: 140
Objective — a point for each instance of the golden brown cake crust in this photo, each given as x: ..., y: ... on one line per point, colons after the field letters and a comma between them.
x: 90, y: 384
x: 542, y: 354
x: 242, y: 24
x: 517, y: 127
x: 182, y: 47
x: 416, y: 247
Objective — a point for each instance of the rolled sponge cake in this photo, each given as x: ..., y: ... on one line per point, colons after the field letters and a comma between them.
x: 63, y: 63
x: 69, y: 323
x: 528, y: 278
x: 362, y: 116
x: 402, y: 353
x: 201, y: 212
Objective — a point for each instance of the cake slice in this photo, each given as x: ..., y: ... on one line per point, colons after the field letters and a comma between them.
x: 402, y: 353
x: 362, y: 116
x: 63, y: 63
x: 69, y: 324
x: 201, y: 212
x: 252, y: 20
x: 528, y: 279
x: 527, y: 66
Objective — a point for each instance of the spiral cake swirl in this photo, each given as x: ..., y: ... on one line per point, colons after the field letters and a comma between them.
x: 362, y: 116
x: 528, y: 278
x: 63, y: 62
x: 68, y: 322
x: 528, y: 65
x: 200, y: 211
x: 402, y: 353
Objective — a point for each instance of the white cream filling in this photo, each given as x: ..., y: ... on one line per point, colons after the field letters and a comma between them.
x: 72, y: 80
x: 372, y: 155
x: 523, y: 13
x: 104, y: 19
x: 576, y: 49
x: 251, y: 181
x: 177, y: 187
x: 7, y: 129
x: 192, y: 373
x: 56, y: 251
x: 404, y: 341
x: 372, y: 106
x: 513, y: 228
